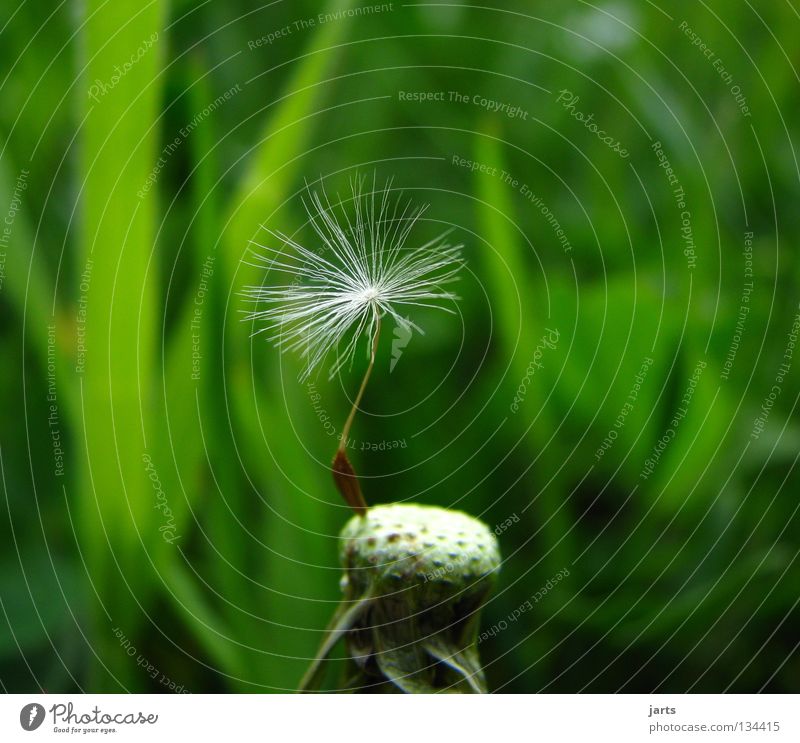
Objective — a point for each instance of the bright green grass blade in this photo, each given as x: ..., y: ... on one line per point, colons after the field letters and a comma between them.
x: 118, y: 155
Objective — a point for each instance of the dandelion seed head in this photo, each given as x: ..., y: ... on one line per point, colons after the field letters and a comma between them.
x: 333, y: 297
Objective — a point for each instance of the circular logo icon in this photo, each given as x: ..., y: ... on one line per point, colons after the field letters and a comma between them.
x: 32, y: 716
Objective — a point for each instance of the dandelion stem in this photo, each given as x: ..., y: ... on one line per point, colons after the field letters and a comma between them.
x: 349, y: 422
x: 343, y: 473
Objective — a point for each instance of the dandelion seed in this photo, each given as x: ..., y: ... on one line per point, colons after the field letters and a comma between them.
x: 339, y: 294
x: 363, y: 271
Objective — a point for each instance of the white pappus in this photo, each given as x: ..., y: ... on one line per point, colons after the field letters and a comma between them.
x: 363, y: 270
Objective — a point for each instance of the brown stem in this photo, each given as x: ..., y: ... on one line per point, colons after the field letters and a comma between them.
x: 343, y: 473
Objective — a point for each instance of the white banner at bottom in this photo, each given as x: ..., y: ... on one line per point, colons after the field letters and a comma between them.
x: 329, y: 718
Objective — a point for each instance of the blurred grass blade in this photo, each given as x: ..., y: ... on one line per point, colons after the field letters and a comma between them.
x: 29, y: 290
x: 196, y: 328
x: 202, y: 623
x: 521, y: 319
